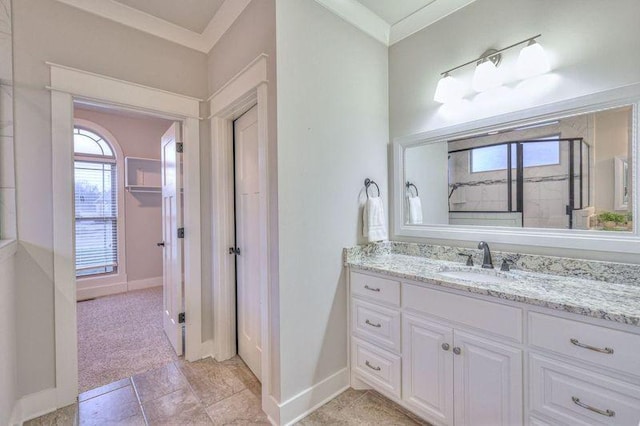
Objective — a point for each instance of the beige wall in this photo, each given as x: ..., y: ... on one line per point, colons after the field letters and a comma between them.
x: 612, y: 129
x: 332, y: 134
x: 138, y: 137
x: 46, y: 30
x: 252, y: 34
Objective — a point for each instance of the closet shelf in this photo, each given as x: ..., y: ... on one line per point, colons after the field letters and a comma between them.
x: 142, y: 175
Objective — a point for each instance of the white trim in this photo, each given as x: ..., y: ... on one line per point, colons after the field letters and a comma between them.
x: 7, y: 249
x: 33, y: 405
x: 246, y: 89
x: 360, y: 17
x: 240, y: 86
x: 94, y: 86
x: 222, y: 21
x: 203, y: 42
x: 307, y: 401
x: 551, y: 238
x: 368, y: 22
x: 144, y: 283
x: 120, y: 276
x: 131, y: 96
x: 425, y: 17
x: 100, y: 290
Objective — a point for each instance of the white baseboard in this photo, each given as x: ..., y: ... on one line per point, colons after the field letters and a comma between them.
x: 207, y: 349
x: 307, y: 401
x: 100, y: 290
x: 91, y: 292
x: 145, y: 283
x: 34, y: 405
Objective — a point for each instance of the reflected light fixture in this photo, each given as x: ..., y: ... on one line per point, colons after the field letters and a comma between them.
x: 532, y: 61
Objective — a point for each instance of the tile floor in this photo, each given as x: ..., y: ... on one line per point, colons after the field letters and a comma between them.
x: 208, y: 392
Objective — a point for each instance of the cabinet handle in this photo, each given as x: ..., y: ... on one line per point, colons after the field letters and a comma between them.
x: 608, y: 413
x: 371, y: 366
x: 371, y: 288
x: 457, y: 350
x: 445, y: 346
x: 592, y: 348
x: 372, y: 324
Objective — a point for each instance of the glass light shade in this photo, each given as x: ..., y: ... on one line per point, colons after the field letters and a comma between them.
x: 532, y: 61
x: 448, y: 90
x: 486, y: 77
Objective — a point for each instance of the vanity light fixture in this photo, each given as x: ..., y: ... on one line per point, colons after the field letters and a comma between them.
x: 532, y: 61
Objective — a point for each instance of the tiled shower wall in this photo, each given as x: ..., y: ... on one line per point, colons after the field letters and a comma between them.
x: 7, y: 173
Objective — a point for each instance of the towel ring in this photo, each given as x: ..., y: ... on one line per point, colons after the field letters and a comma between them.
x: 368, y: 182
x: 409, y: 185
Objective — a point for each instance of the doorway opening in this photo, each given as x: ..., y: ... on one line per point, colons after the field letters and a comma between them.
x: 128, y: 264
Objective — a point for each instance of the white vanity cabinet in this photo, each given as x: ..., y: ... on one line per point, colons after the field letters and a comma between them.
x: 457, y: 358
x: 435, y: 368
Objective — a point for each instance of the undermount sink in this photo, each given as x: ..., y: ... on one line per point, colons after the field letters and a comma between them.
x: 477, y: 275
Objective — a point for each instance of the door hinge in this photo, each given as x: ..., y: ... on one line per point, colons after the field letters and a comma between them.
x: 181, y: 318
x: 179, y: 147
x: 180, y: 232
x: 234, y: 250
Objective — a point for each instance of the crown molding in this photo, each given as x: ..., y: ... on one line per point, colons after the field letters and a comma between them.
x: 360, y: 17
x: 142, y: 21
x: 364, y: 19
x: 424, y: 17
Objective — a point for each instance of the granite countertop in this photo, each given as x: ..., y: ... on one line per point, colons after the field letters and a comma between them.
x: 605, y: 300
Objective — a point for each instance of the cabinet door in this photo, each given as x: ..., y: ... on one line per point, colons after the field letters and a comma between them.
x: 427, y: 371
x: 488, y: 382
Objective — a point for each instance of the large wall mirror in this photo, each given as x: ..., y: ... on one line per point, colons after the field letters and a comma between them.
x: 540, y: 181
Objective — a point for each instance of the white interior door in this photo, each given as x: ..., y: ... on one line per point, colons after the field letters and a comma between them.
x: 173, y: 290
x: 248, y: 262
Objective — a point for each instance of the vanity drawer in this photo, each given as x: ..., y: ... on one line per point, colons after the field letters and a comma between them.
x: 375, y: 288
x: 495, y: 318
x: 610, y: 348
x: 579, y: 397
x: 376, y: 324
x: 377, y: 367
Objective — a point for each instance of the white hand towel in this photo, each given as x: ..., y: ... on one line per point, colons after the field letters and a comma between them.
x: 374, y: 226
x: 414, y: 207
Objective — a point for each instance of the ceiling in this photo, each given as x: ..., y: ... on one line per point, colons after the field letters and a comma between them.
x: 395, y: 11
x: 199, y: 24
x: 193, y: 15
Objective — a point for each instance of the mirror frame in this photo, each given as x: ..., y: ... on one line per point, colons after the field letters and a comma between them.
x: 627, y: 242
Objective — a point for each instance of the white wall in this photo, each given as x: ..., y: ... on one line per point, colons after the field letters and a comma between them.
x: 138, y: 136
x: 8, y: 359
x: 46, y: 30
x: 332, y: 134
x: 591, y: 45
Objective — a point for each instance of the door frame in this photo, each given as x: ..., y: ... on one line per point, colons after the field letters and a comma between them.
x: 246, y: 89
x: 69, y: 84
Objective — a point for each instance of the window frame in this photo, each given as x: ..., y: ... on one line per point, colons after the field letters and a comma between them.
x: 119, y: 277
x: 551, y: 138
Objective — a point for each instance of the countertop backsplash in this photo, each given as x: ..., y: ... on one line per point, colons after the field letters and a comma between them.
x: 610, y: 272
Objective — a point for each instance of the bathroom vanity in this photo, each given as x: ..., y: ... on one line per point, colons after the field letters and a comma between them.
x: 462, y: 345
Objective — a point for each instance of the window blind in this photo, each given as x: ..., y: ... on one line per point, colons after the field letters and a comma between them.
x: 96, y: 218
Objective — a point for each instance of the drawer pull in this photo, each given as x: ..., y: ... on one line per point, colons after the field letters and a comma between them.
x: 371, y: 366
x: 372, y: 324
x: 608, y: 413
x: 592, y: 348
x: 371, y: 288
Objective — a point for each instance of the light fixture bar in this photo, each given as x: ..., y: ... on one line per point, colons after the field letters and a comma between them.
x: 493, y: 53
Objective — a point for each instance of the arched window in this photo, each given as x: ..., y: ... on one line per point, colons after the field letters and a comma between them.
x: 96, y: 204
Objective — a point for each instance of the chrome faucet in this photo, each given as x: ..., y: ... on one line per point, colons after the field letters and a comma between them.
x: 486, y: 257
